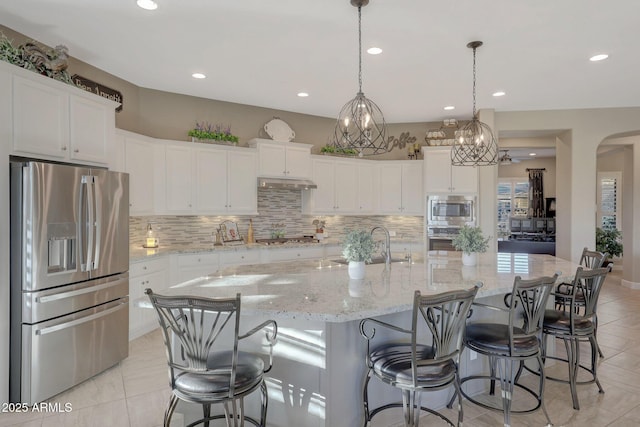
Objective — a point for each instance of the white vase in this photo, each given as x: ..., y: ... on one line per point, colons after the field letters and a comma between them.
x: 469, y: 259
x: 356, y: 269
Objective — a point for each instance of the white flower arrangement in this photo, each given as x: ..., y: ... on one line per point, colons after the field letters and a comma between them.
x: 358, y: 246
x: 470, y: 239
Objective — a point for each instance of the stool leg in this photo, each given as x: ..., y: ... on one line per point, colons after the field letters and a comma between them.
x: 169, y: 412
x: 594, y: 363
x: 492, y: 371
x: 365, y: 399
x: 541, y: 390
x: 456, y: 384
x: 505, y: 373
x: 206, y: 412
x: 573, y: 360
x: 264, y: 404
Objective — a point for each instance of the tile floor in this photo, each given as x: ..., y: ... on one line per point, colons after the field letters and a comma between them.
x: 135, y: 392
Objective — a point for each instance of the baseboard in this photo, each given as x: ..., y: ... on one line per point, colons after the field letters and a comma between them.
x: 630, y: 285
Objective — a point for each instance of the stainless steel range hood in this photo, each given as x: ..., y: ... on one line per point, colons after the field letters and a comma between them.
x: 289, y: 184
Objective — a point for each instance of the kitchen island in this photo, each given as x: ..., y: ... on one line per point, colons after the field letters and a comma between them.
x: 319, y: 358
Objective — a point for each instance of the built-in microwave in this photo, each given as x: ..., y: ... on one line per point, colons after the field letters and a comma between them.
x: 451, y: 210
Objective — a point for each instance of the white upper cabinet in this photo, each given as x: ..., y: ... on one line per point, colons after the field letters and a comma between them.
x: 179, y: 179
x: 366, y: 188
x: 139, y: 164
x: 345, y: 186
x: 441, y: 177
x: 282, y: 159
x: 400, y: 188
x: 337, y: 190
x: 56, y: 121
x: 203, y: 180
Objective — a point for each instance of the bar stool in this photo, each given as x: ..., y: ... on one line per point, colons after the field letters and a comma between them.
x: 413, y: 365
x: 508, y: 345
x: 588, y: 259
x: 575, y: 323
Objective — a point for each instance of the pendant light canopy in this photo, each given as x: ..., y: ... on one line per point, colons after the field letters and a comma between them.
x: 475, y: 144
x: 361, y: 125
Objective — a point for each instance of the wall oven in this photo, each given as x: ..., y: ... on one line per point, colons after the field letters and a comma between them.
x: 451, y: 210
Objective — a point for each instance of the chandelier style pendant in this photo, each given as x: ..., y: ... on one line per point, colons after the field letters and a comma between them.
x: 475, y: 144
x: 361, y: 125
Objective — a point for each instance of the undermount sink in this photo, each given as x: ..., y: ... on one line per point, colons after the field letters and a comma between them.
x: 377, y: 260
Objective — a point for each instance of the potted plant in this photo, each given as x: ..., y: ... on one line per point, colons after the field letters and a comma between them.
x: 205, y: 131
x: 357, y: 249
x: 470, y: 241
x: 608, y: 242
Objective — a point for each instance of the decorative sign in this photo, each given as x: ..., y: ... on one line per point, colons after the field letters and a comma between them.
x: 98, y: 89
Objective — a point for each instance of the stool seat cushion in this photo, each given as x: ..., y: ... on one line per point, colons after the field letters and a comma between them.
x: 216, y: 379
x: 559, y: 322
x: 392, y: 363
x: 493, y: 338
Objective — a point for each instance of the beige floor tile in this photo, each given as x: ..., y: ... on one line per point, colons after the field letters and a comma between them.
x: 107, y: 414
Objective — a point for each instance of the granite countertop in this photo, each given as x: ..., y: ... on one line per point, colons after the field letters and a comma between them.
x: 138, y: 253
x: 321, y: 290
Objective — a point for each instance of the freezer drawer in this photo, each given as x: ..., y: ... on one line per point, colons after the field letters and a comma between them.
x: 44, y: 305
x: 63, y: 352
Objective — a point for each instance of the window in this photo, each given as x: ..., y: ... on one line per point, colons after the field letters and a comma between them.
x: 513, y: 200
x: 609, y: 194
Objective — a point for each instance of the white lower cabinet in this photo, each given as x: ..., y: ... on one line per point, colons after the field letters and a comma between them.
x: 239, y: 257
x: 152, y: 274
x: 191, y: 266
x: 291, y: 254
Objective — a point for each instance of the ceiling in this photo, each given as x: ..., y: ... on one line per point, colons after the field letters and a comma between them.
x: 263, y: 52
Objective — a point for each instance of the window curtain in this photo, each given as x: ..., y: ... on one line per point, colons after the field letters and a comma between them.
x: 536, y: 193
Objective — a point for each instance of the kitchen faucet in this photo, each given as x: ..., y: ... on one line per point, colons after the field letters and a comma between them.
x: 386, y: 253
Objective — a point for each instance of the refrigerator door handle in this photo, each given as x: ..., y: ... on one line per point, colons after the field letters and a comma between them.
x: 97, y: 204
x: 89, y: 181
x: 70, y: 294
x: 82, y: 224
x: 82, y: 320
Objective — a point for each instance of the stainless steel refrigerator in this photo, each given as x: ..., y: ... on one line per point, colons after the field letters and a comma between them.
x: 69, y: 276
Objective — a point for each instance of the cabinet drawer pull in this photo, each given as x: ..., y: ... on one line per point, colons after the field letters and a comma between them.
x: 76, y: 150
x: 64, y: 148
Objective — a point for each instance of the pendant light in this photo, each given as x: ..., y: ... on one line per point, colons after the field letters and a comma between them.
x: 475, y: 144
x: 361, y: 125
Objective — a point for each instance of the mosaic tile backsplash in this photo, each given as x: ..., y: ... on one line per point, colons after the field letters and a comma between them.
x: 275, y: 206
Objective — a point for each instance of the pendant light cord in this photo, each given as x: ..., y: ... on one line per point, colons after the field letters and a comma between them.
x: 474, y: 82
x: 360, y: 48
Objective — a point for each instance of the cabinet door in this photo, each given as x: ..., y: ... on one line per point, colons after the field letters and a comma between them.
x: 298, y: 162
x: 242, y: 186
x: 90, y: 133
x: 272, y: 160
x: 179, y: 179
x: 390, y: 189
x: 40, y: 119
x: 346, y: 187
x: 210, y: 181
x: 412, y: 196
x: 437, y: 170
x: 464, y: 179
x: 139, y: 165
x: 324, y: 177
x: 366, y: 185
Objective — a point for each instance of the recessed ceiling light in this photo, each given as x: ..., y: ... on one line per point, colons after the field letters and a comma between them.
x: 449, y: 107
x: 303, y: 94
x: 532, y: 154
x: 599, y: 57
x: 147, y: 4
x: 198, y: 76
x: 499, y: 93
x: 374, y: 51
